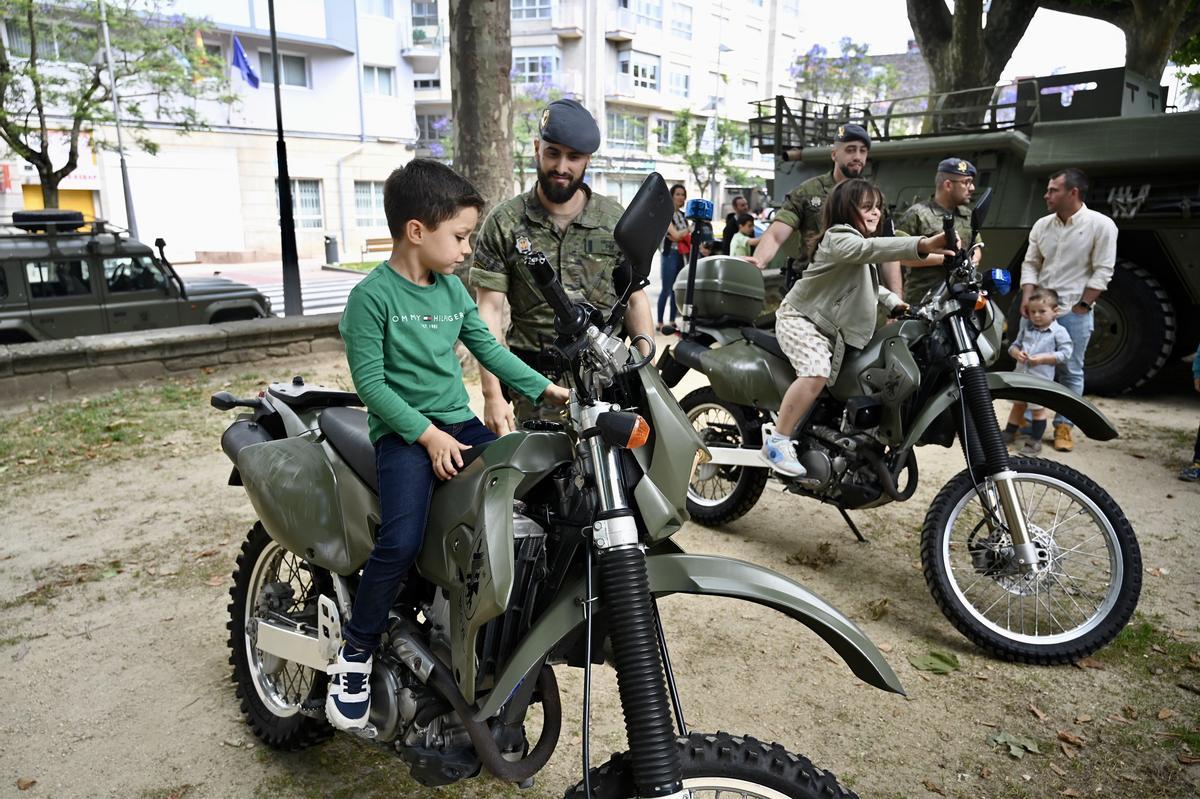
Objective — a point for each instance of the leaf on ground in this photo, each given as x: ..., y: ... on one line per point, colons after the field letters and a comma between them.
x: 1070, y: 737
x: 1084, y: 719
x: 1017, y: 745
x: 1130, y: 712
x: 933, y: 787
x: 878, y: 608
x: 1035, y: 710
x: 1057, y: 769
x: 1165, y: 714
x: 216, y: 580
x: 937, y: 661
x: 25, y: 783
x: 1070, y: 792
x: 1188, y: 759
x: 1119, y: 719
x: 206, y: 553
x: 1089, y: 663
x: 885, y: 648
x: 1070, y: 751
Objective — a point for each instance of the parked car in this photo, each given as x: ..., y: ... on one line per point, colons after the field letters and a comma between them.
x: 62, y: 276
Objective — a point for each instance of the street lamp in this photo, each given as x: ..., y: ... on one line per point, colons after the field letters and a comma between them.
x: 721, y: 48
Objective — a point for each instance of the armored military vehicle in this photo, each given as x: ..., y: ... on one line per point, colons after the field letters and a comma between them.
x: 1142, y: 160
x: 62, y: 276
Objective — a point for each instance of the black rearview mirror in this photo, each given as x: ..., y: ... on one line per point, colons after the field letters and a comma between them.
x: 644, y: 223
x: 981, y: 209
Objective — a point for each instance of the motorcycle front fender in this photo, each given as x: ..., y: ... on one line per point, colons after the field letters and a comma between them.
x: 1021, y: 387
x: 708, y: 575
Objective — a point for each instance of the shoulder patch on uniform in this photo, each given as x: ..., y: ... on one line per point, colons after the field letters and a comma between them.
x: 815, y: 201
x: 524, y: 245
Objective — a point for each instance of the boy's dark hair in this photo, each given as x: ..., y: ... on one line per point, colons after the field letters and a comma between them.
x: 841, y: 208
x: 1048, y: 296
x: 1073, y: 179
x: 744, y: 218
x: 427, y: 191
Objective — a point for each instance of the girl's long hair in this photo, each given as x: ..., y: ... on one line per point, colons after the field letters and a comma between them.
x: 841, y: 208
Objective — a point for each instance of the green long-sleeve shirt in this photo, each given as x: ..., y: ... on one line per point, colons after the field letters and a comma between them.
x: 400, y: 346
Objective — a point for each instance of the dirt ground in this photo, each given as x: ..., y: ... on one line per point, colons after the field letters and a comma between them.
x: 113, y: 590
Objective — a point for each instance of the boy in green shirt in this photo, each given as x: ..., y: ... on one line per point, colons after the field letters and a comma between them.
x: 744, y: 239
x: 400, y: 325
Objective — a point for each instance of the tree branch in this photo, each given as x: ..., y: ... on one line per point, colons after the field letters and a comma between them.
x: 1007, y: 22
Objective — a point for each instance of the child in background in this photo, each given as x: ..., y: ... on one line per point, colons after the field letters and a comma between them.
x: 1192, y: 473
x: 400, y: 325
x: 832, y: 306
x: 744, y: 239
x: 1041, y: 346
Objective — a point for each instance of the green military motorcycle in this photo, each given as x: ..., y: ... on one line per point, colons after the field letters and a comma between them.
x: 552, y: 546
x: 1029, y: 559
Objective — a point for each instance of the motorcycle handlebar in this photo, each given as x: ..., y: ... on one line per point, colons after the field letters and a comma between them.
x: 573, y: 320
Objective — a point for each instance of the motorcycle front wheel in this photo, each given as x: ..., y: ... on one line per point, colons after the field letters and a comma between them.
x: 269, y: 580
x: 726, y: 766
x: 1074, y: 606
x: 720, y: 493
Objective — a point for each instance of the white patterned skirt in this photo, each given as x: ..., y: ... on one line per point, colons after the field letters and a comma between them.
x: 809, y: 349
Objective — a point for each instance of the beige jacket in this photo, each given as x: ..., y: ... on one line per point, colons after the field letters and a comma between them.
x: 840, y: 288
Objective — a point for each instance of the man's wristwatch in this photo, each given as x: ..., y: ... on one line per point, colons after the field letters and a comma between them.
x: 1087, y: 306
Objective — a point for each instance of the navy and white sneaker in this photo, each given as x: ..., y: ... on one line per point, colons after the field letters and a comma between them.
x: 780, y: 451
x: 348, y: 703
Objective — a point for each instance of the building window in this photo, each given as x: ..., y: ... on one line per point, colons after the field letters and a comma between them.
x: 378, y: 8
x: 379, y: 80
x: 306, y: 203
x: 427, y: 82
x: 58, y: 278
x: 534, y: 68
x: 531, y: 9
x: 739, y: 145
x: 625, y: 130
x: 680, y: 82
x: 681, y: 21
x: 295, y: 69
x: 55, y: 42
x: 641, y: 67
x: 664, y: 131
x: 368, y: 203
x: 433, y: 127
x: 424, y: 14
x: 649, y: 13
x: 750, y: 87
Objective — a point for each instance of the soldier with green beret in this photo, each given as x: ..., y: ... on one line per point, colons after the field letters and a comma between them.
x: 563, y: 218
x: 953, y: 187
x: 796, y: 228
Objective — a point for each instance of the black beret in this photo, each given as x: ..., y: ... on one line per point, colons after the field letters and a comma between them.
x: 853, y: 133
x: 957, y: 166
x: 568, y: 123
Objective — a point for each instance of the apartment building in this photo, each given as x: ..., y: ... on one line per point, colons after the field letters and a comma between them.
x: 365, y: 86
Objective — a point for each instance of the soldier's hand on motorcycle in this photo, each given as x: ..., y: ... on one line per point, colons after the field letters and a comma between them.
x: 498, y: 415
x: 898, y: 311
x: 445, y: 451
x: 556, y: 395
x: 930, y: 245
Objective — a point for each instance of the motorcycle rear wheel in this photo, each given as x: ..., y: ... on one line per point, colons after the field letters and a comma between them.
x: 726, y: 766
x: 1060, y: 615
x: 270, y: 689
x: 720, y: 494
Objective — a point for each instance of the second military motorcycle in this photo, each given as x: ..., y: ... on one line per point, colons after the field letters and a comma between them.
x: 1028, y: 558
x: 552, y: 546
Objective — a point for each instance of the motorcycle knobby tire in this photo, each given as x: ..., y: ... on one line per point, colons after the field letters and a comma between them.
x: 750, y: 481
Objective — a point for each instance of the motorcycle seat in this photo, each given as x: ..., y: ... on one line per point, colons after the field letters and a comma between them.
x: 346, y: 431
x: 765, y: 339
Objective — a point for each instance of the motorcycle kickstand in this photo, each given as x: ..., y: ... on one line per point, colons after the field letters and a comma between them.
x: 853, y: 527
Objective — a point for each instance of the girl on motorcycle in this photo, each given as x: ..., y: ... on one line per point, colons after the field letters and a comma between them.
x: 832, y: 306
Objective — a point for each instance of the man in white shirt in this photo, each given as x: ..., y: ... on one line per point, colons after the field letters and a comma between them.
x: 1072, y: 250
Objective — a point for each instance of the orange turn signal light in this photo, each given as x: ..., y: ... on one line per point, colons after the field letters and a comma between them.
x: 640, y: 434
x: 981, y: 301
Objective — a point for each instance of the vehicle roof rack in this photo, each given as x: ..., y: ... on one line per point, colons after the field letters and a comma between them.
x: 57, y: 222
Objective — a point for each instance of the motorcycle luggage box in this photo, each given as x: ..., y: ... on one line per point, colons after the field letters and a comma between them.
x: 728, y: 290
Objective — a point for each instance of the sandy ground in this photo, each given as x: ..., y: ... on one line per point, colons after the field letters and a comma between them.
x: 118, y: 685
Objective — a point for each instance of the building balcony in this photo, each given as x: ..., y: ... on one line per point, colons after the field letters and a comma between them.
x: 568, y: 19
x: 623, y: 89
x: 421, y: 46
x: 620, y: 24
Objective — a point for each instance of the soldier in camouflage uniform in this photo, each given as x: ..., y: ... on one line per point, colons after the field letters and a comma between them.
x: 796, y: 228
x: 573, y: 226
x: 955, y: 183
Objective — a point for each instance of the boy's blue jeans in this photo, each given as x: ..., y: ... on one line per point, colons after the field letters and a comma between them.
x: 406, y: 482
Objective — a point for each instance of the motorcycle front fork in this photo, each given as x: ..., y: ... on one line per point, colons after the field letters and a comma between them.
x: 985, y: 438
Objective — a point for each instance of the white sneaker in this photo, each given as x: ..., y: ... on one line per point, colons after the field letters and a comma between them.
x: 780, y: 451
x: 348, y: 702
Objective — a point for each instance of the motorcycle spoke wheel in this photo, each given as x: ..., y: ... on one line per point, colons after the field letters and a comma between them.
x: 281, y: 684
x: 721, y: 493
x: 1067, y: 609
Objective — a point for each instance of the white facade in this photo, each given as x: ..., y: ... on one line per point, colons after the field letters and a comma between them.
x: 365, y: 83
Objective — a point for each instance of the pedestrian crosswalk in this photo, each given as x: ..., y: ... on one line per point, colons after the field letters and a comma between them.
x: 318, y: 296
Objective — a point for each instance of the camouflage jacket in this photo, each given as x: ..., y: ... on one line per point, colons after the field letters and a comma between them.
x: 925, y: 219
x: 801, y: 211
x: 584, y: 256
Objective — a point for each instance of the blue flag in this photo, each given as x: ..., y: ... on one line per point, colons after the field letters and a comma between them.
x: 243, y: 64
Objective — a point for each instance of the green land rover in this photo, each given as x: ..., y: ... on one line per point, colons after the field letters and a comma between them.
x: 62, y: 276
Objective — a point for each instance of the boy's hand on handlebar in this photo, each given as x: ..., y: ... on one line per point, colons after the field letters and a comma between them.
x: 556, y: 395
x: 498, y: 415
x: 898, y: 311
x: 445, y: 451
x: 935, y: 245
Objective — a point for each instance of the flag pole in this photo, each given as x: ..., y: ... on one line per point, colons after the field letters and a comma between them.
x: 293, y: 304
x: 130, y: 219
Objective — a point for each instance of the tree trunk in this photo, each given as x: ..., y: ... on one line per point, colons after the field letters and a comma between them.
x: 480, y: 63
x: 49, y: 188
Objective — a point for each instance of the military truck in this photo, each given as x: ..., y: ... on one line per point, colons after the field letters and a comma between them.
x: 62, y: 276
x: 1142, y: 159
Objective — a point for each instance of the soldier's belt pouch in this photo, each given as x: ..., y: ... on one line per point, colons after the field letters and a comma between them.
x: 542, y: 362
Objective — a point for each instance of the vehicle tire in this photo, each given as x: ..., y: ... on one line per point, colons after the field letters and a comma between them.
x: 720, y: 494
x: 235, y: 315
x: 1092, y: 582
x: 271, y: 689
x: 729, y: 766
x: 1134, y: 332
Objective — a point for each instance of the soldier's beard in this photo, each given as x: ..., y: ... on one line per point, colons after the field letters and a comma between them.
x: 554, y: 192
x: 851, y: 170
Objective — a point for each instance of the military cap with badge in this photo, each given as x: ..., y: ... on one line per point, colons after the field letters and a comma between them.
x: 569, y: 124
x: 851, y: 132
x: 957, y: 166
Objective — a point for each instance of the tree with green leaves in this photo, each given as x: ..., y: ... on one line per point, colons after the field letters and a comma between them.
x: 706, y: 148
x: 841, y: 79
x: 54, y: 77
x: 528, y: 101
